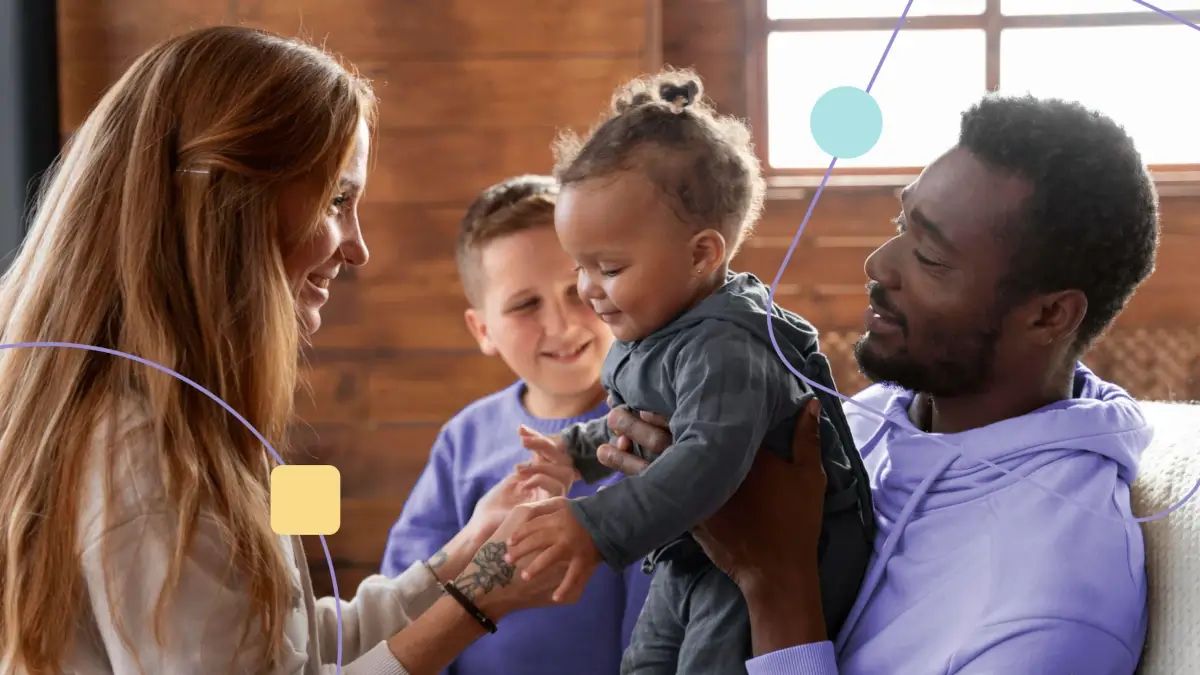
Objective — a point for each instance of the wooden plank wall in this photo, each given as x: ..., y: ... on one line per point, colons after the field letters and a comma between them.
x: 472, y: 91
x: 1153, y: 350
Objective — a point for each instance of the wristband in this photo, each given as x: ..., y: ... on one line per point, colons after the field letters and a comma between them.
x: 436, y: 579
x: 466, y: 603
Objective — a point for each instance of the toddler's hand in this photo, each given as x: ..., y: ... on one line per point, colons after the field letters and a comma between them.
x: 556, y: 537
x: 549, y: 449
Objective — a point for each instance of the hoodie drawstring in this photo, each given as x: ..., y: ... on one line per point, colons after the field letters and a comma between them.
x: 875, y: 573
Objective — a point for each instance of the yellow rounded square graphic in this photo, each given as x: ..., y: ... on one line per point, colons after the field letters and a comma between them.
x: 306, y: 499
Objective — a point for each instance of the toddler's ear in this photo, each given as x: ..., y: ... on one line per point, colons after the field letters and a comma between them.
x: 479, y: 331
x: 708, y: 252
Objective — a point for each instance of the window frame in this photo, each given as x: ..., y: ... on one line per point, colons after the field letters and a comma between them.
x: 1183, y: 179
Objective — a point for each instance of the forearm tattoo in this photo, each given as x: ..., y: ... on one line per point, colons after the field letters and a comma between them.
x: 492, y: 571
x: 437, y: 559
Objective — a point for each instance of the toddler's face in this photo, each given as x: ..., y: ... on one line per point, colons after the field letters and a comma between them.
x: 532, y: 317
x: 635, y: 258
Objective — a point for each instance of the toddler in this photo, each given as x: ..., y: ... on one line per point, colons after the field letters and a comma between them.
x: 654, y: 204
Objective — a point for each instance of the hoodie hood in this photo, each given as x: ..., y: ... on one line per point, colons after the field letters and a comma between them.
x: 746, y: 301
x: 1101, y: 418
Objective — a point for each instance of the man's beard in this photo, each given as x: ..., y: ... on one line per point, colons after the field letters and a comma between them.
x: 962, y: 366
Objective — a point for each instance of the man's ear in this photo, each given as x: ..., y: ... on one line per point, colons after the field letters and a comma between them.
x: 478, y: 329
x: 1055, y: 317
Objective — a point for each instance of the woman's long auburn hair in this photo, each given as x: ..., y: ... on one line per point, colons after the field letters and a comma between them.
x: 158, y: 236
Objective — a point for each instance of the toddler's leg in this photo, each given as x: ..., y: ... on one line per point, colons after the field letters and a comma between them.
x: 717, y: 633
x: 658, y: 633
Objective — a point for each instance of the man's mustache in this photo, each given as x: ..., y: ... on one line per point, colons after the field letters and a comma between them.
x: 879, y: 300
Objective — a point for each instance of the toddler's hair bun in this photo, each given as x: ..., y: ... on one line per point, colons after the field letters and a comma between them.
x: 677, y: 89
x: 673, y: 92
x: 633, y: 100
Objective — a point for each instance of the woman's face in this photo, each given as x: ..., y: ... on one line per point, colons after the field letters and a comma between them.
x: 313, y: 264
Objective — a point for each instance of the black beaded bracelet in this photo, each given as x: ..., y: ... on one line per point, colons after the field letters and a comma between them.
x: 466, y: 603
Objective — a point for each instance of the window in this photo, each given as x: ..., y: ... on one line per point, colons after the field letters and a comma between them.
x: 1119, y: 57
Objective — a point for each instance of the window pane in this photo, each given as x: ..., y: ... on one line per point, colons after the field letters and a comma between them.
x: 826, y: 9
x: 1058, y: 7
x: 1123, y: 72
x: 929, y: 78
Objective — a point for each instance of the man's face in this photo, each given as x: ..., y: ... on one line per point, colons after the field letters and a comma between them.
x: 935, y: 322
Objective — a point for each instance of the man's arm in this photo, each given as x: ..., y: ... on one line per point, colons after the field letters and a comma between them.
x: 429, y: 518
x: 726, y: 391
x: 787, y: 625
x: 1037, y: 646
x: 817, y: 658
x: 777, y: 576
x: 1043, y: 646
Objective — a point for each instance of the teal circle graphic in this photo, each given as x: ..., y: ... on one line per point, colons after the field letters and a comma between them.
x: 846, y: 122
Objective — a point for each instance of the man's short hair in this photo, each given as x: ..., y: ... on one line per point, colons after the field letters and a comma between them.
x: 1091, y: 223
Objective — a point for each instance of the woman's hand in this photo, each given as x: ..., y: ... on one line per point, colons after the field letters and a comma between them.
x: 528, y: 483
x: 498, y: 586
x: 495, y: 586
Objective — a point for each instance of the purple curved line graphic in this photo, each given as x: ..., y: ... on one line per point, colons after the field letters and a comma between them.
x: 774, y: 342
x: 114, y: 352
x: 866, y: 408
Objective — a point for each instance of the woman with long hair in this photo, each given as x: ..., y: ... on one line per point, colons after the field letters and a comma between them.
x: 195, y: 220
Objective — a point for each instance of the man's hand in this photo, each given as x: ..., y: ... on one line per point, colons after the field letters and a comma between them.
x: 648, y: 430
x: 766, y: 536
x: 770, y: 528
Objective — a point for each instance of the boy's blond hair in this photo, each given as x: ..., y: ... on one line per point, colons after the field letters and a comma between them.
x: 513, y: 205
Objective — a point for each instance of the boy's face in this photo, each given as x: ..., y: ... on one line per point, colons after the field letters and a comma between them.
x: 639, y: 265
x: 530, y: 314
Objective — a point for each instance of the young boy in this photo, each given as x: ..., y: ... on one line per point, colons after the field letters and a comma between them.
x: 525, y: 309
x: 654, y: 205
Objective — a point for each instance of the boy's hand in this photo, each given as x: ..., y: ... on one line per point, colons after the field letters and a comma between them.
x: 549, y: 449
x: 557, y: 538
x: 526, y: 483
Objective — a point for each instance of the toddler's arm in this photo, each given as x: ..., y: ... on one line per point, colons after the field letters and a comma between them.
x: 727, y: 390
x: 581, y: 440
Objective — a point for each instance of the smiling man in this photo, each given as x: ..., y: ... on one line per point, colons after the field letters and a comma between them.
x: 1014, y: 251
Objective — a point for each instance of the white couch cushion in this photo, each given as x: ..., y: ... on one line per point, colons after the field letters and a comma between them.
x: 1169, y: 469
